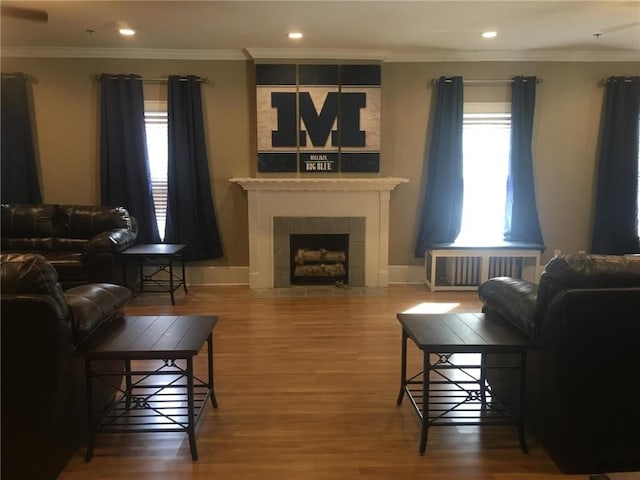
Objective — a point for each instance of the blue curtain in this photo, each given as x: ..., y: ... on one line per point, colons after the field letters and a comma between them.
x: 124, y: 168
x: 20, y: 182
x: 441, y: 212
x: 191, y: 217
x: 521, y: 213
x: 616, y: 210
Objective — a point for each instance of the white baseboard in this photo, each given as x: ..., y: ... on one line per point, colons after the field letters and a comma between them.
x: 210, y: 275
x: 237, y: 275
x: 413, y: 274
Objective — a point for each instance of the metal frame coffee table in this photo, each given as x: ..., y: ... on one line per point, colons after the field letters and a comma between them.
x: 145, y: 403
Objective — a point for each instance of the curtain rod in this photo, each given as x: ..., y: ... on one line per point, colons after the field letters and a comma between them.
x: 17, y: 74
x: 160, y: 80
x: 478, y: 82
x: 604, y: 81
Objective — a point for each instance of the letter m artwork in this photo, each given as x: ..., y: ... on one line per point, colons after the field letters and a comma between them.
x: 318, y: 118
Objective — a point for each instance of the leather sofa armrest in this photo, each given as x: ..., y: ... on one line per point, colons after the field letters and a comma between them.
x: 94, y: 304
x: 513, y: 299
x: 113, y: 241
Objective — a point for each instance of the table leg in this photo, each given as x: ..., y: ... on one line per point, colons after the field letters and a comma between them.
x: 521, y: 420
x: 184, y: 275
x: 424, y: 430
x: 482, y: 383
x: 90, y: 422
x: 173, y: 302
x: 141, y: 275
x: 128, y: 384
x: 403, y: 367
x: 124, y: 271
x: 191, y: 428
x: 214, y: 402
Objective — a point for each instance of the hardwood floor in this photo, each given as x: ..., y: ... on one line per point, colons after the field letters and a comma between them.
x: 306, y: 388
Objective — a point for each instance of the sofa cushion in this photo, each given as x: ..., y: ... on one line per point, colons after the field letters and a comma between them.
x: 94, y: 305
x: 28, y: 228
x: 28, y: 244
x: 28, y: 221
x: 68, y: 263
x: 27, y: 274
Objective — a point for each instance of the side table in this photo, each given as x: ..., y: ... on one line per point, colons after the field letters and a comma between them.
x: 448, y: 392
x: 160, y: 256
x: 145, y: 402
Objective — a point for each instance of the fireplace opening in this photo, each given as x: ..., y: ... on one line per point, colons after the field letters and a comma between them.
x: 319, y: 259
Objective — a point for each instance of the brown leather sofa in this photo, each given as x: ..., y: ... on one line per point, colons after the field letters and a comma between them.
x: 583, y: 373
x: 43, y: 391
x: 82, y: 242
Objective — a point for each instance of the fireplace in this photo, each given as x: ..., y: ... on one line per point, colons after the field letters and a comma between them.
x: 320, y: 206
x: 342, y: 234
x: 319, y: 259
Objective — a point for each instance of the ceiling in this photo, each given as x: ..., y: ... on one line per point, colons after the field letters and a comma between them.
x: 384, y: 30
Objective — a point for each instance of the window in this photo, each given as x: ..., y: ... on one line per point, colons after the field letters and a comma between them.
x: 155, y: 120
x: 486, y: 134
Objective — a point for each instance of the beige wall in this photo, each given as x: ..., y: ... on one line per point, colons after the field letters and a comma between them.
x: 566, y: 127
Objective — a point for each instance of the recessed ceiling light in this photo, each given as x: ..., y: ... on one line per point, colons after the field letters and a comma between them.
x: 489, y: 34
x: 295, y: 35
x: 127, y: 32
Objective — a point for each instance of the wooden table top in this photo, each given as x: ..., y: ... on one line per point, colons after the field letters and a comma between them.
x: 150, y: 249
x: 151, y: 337
x: 462, y: 333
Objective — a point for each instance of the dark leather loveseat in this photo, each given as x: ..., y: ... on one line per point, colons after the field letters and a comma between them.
x: 43, y: 391
x: 583, y: 375
x: 82, y: 242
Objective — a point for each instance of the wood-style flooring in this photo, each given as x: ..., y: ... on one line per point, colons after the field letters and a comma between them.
x: 307, y: 389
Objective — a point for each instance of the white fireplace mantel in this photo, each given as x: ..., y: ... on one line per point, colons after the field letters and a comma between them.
x: 318, y: 197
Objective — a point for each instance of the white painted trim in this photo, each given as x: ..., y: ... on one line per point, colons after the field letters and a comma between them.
x: 406, y: 274
x: 239, y: 275
x: 387, y: 56
x: 378, y: 184
x: 316, y: 54
x: 212, y: 275
x: 318, y: 197
x: 142, y: 53
x: 516, y: 56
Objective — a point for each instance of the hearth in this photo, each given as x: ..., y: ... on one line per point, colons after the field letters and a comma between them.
x: 319, y: 259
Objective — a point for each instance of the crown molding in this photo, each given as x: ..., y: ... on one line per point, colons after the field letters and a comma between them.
x: 516, y: 56
x: 388, y: 56
x: 315, y: 54
x: 142, y: 53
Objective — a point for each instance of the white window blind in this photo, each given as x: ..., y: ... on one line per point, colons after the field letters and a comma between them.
x: 157, y: 148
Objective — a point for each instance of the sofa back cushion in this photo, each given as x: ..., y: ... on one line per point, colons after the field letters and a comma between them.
x: 28, y: 227
x: 29, y: 274
x: 585, y: 271
x: 45, y: 228
x: 84, y: 221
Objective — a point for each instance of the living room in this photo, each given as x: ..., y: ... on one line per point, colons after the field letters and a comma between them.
x: 569, y: 102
